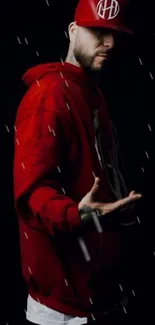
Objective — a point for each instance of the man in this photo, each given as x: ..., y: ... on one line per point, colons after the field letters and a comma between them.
x: 69, y: 191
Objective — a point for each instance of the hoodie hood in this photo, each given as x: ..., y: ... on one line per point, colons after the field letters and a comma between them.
x: 64, y: 69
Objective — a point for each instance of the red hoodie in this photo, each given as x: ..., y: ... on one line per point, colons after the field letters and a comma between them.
x: 54, y: 166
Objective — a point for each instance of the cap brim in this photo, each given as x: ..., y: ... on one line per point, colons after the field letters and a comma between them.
x: 108, y: 26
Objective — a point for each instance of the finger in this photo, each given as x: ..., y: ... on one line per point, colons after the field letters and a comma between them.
x: 124, y: 202
x: 95, y: 186
x: 132, y: 193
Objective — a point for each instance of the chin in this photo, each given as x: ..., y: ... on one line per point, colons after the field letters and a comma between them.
x: 98, y: 68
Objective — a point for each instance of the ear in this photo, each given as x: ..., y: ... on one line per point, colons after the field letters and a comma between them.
x: 72, y: 30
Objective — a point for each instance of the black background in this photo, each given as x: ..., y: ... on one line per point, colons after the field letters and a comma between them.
x: 129, y: 90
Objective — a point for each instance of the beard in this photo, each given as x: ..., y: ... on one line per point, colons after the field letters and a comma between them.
x: 88, y: 63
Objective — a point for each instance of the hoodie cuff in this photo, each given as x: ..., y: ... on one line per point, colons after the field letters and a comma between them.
x: 73, y: 216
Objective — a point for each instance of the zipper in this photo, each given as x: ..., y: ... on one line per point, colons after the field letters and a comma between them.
x: 97, y: 150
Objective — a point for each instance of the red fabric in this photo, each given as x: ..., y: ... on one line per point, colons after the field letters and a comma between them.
x: 54, y: 162
x: 108, y: 14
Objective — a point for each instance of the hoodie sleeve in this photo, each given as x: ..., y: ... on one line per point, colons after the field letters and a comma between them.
x: 39, y: 196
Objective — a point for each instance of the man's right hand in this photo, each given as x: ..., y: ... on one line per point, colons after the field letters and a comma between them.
x: 90, y: 200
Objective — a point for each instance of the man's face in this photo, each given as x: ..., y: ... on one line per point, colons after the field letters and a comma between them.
x: 92, y: 47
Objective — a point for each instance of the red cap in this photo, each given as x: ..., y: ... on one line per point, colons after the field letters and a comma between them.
x: 102, y: 13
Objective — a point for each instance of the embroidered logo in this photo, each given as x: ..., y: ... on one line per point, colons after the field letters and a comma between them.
x: 106, y: 11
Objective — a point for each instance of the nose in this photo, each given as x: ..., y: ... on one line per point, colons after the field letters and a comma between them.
x: 108, y: 41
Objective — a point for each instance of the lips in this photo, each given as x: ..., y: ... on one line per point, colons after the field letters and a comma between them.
x: 105, y: 56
